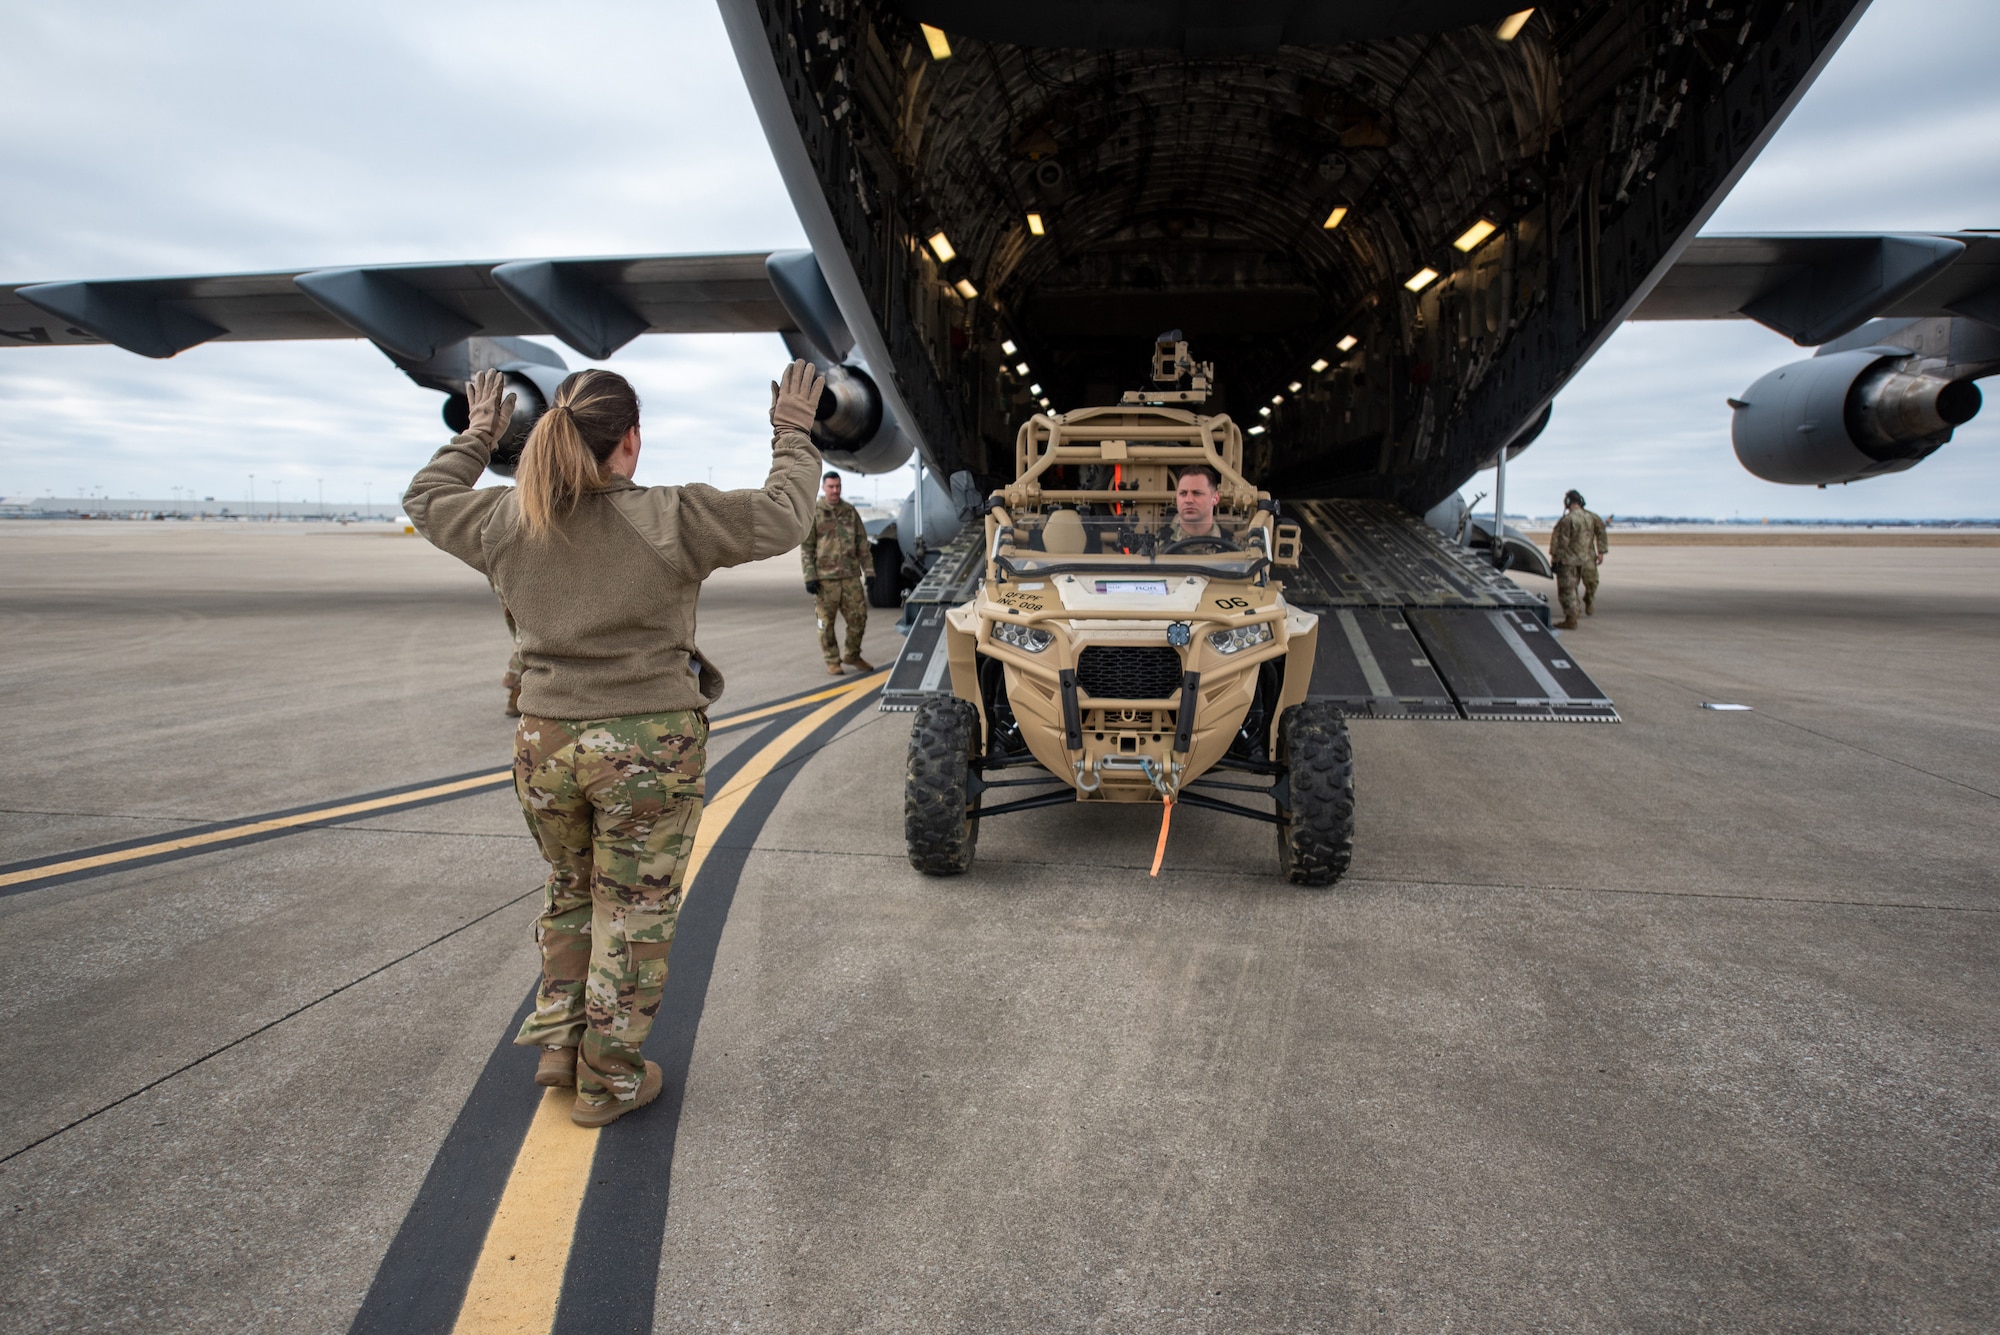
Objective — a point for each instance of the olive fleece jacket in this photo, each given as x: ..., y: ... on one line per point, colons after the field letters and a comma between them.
x: 606, y: 603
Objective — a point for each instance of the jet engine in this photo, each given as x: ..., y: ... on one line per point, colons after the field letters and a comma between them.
x: 1846, y: 416
x: 850, y: 429
x: 532, y: 388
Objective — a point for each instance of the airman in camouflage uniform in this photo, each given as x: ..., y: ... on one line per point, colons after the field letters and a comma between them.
x: 1196, y: 491
x: 613, y: 805
x: 837, y: 558
x: 1577, y: 546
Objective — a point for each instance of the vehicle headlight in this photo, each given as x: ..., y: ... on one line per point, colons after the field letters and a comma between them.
x: 1031, y: 638
x: 1240, y: 638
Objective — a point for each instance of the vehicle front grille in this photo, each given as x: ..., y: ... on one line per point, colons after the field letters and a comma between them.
x: 1120, y: 672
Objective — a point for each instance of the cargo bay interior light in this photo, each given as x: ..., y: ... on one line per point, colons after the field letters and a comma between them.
x: 1035, y: 224
x: 940, y: 45
x: 1421, y: 279
x: 1020, y: 368
x: 1510, y: 27
x: 1474, y: 234
x: 1296, y: 386
x: 1035, y: 390
x: 1043, y: 402
x: 1322, y: 363
x: 1263, y: 412
x: 1277, y: 399
x: 966, y: 289
x: 1334, y: 219
x: 1255, y: 430
x: 941, y: 247
x: 1347, y: 344
x: 1006, y: 347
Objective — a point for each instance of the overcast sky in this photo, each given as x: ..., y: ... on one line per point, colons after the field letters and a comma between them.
x: 149, y: 139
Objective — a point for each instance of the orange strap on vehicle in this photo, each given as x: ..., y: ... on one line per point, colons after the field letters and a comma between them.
x: 1160, y: 850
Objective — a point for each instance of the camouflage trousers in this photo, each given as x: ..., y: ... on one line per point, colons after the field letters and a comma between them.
x: 846, y: 597
x: 1576, y: 602
x: 613, y: 804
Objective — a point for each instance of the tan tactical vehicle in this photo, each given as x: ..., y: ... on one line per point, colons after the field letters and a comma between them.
x: 1108, y: 654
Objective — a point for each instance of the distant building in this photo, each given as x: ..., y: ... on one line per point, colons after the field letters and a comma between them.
x: 135, y: 507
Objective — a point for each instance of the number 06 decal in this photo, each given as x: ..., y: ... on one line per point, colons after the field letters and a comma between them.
x: 1231, y: 604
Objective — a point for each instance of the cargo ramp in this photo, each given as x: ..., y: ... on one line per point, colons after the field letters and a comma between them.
x: 1412, y: 626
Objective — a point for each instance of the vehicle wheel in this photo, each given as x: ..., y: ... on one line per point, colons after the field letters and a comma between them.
x: 885, y: 586
x: 1316, y: 835
x: 944, y: 741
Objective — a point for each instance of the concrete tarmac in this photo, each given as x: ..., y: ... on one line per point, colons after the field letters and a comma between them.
x: 1683, y: 1022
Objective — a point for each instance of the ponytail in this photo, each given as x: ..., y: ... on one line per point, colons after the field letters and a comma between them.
x: 565, y: 452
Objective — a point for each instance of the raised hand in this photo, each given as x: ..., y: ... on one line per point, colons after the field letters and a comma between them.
x: 487, y: 412
x: 795, y: 397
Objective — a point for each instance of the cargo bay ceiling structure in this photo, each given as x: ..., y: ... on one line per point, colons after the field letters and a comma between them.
x: 1396, y: 228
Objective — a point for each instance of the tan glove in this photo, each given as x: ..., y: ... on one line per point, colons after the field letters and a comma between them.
x: 795, y: 397
x: 488, y: 413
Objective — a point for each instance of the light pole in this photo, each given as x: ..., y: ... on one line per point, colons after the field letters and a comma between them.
x: 322, y: 499
x: 253, y: 497
x: 367, y: 499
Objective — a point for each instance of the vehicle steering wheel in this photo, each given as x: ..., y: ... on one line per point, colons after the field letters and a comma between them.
x: 1206, y: 544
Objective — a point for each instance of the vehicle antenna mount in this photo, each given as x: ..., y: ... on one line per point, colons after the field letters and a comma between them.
x: 1177, y: 376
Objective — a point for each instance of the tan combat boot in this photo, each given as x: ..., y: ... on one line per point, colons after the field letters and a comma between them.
x: 860, y: 665
x: 1568, y: 623
x: 604, y: 1114
x: 833, y: 669
x: 557, y: 1069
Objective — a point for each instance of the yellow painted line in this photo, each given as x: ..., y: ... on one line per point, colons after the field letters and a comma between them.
x: 518, y: 1280
x: 249, y: 829
x: 752, y: 715
x: 510, y: 1290
x: 722, y: 807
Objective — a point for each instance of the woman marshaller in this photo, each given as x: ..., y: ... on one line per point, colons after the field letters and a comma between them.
x: 602, y: 576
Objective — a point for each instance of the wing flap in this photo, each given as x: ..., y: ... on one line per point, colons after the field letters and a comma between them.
x: 1813, y: 287
x: 411, y: 309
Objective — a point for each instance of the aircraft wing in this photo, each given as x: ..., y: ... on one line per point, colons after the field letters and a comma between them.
x: 1814, y: 287
x: 594, y: 305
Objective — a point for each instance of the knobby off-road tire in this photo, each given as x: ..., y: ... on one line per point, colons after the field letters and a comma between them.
x: 885, y: 579
x: 944, y: 741
x: 1316, y: 836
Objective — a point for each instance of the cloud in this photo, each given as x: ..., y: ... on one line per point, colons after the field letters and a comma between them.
x: 226, y: 138
x: 1896, y: 134
x: 213, y: 137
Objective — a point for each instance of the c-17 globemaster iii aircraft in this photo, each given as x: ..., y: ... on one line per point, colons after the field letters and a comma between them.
x: 1396, y: 229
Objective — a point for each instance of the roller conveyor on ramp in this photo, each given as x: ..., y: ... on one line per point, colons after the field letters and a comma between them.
x: 1411, y: 625
x: 920, y: 667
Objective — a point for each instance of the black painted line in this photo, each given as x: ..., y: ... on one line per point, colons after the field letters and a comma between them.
x: 423, y: 1277
x: 194, y: 831
x: 614, y: 1259
x: 256, y: 837
x: 441, y: 1236
x: 497, y: 778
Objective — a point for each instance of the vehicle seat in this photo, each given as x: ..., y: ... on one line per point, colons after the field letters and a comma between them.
x: 1063, y: 533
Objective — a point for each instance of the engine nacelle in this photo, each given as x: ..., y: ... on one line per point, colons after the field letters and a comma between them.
x: 852, y: 429
x: 531, y: 400
x: 1846, y: 416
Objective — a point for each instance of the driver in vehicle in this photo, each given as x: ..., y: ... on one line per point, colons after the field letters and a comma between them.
x: 1196, y: 491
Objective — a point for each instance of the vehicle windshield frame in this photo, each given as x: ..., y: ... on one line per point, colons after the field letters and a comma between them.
x: 1253, y: 567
